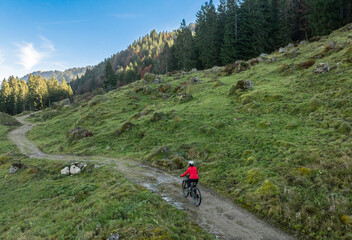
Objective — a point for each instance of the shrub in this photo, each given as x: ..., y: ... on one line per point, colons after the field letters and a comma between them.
x: 149, y: 77
x: 268, y: 189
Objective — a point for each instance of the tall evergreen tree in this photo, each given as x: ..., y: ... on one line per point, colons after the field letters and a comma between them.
x: 205, y: 38
x: 184, y: 48
x: 228, y: 52
x: 5, y: 93
x: 222, y: 13
x: 110, y: 77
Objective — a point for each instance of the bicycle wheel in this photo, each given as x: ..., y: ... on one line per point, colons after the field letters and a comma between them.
x: 197, y: 196
x: 184, y: 188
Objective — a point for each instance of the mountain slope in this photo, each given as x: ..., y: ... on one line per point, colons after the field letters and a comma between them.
x: 281, y: 148
x: 69, y: 74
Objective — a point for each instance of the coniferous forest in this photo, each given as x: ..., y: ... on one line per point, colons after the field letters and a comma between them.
x: 222, y: 34
x: 16, y: 95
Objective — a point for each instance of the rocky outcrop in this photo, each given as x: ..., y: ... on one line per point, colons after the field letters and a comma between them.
x: 193, y: 80
x: 15, y: 167
x: 282, y: 50
x: 322, y: 68
x: 241, y: 85
x: 78, y: 133
x: 75, y: 168
x: 114, y: 236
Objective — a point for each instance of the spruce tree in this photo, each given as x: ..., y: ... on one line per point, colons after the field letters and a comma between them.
x: 5, y: 93
x: 184, y: 48
x: 229, y: 47
x: 205, y: 39
x: 110, y: 77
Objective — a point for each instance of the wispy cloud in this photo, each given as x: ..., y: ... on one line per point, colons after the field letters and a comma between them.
x: 47, y: 44
x: 125, y: 16
x: 29, y: 56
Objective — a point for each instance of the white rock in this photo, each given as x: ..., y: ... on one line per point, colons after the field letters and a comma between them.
x: 260, y: 59
x: 263, y: 55
x: 74, y: 169
x: 282, y: 50
x: 65, y: 171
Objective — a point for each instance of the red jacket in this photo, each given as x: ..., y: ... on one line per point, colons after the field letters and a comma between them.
x: 193, y: 173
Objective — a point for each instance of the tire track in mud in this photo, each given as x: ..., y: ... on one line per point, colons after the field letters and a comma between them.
x: 216, y: 214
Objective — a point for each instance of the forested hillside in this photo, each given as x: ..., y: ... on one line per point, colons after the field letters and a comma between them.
x: 222, y: 34
x: 150, y: 53
x: 17, y: 95
x: 69, y: 74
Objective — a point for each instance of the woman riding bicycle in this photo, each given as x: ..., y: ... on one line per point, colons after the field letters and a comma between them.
x: 193, y: 174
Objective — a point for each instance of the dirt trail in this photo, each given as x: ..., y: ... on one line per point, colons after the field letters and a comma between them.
x: 216, y: 214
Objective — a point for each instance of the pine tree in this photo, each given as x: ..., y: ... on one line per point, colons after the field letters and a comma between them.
x: 13, y: 95
x: 183, y: 48
x: 5, y: 93
x: 205, y: 38
x: 229, y: 47
x: 222, y: 13
x: 110, y: 77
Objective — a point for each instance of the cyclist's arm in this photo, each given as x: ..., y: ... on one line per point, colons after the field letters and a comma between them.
x: 184, y: 174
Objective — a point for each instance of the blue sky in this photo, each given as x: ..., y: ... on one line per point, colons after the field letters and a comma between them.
x: 56, y: 35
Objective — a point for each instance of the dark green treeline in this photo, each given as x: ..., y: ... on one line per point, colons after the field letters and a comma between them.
x: 233, y: 30
x: 16, y: 95
x: 243, y: 29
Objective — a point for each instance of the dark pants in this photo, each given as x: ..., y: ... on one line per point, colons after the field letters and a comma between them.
x: 189, y: 181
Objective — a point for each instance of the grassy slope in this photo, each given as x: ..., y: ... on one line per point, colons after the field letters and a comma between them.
x: 39, y: 203
x: 282, y: 149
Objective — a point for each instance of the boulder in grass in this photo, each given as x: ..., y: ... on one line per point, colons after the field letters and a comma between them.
x: 271, y: 60
x: 65, y: 171
x: 322, y: 68
x: 244, y: 85
x: 193, y: 80
x: 75, y: 168
x: 15, y: 167
x: 78, y: 133
x: 114, y: 236
x: 282, y: 50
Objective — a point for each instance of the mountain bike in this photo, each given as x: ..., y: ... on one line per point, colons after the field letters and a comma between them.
x: 194, y: 192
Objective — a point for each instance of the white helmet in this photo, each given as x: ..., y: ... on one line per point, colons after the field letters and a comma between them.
x: 191, y: 163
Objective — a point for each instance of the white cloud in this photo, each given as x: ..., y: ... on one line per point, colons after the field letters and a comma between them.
x: 28, y: 55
